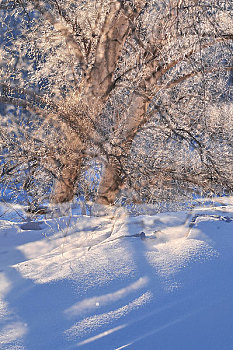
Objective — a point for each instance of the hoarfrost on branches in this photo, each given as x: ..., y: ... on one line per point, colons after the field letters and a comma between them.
x: 140, y: 92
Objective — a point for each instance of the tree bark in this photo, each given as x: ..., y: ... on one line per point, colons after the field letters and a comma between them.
x: 110, y: 185
x: 113, y: 178
x: 66, y: 178
x: 65, y: 185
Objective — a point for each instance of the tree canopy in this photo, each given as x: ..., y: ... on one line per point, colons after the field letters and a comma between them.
x: 116, y: 99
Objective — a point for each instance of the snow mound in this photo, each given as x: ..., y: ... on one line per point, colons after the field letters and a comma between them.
x: 114, y: 282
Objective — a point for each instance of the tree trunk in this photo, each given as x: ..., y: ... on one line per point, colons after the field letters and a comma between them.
x: 65, y: 185
x: 112, y: 178
x: 110, y: 185
x: 71, y: 160
x: 98, y: 84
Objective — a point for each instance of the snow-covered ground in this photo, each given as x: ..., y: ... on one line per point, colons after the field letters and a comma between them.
x: 159, y: 282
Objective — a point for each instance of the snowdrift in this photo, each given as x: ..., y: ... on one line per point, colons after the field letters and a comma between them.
x: 150, y: 282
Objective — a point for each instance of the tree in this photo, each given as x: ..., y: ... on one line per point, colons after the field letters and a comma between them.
x: 144, y: 88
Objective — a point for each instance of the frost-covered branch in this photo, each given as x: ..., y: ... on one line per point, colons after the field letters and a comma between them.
x: 138, y: 92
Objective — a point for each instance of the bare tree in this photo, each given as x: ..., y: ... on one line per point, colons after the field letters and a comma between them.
x: 145, y: 88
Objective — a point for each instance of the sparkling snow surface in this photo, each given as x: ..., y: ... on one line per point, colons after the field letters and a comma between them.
x: 99, y: 283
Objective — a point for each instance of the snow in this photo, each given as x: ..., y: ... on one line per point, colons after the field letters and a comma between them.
x: 98, y: 283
